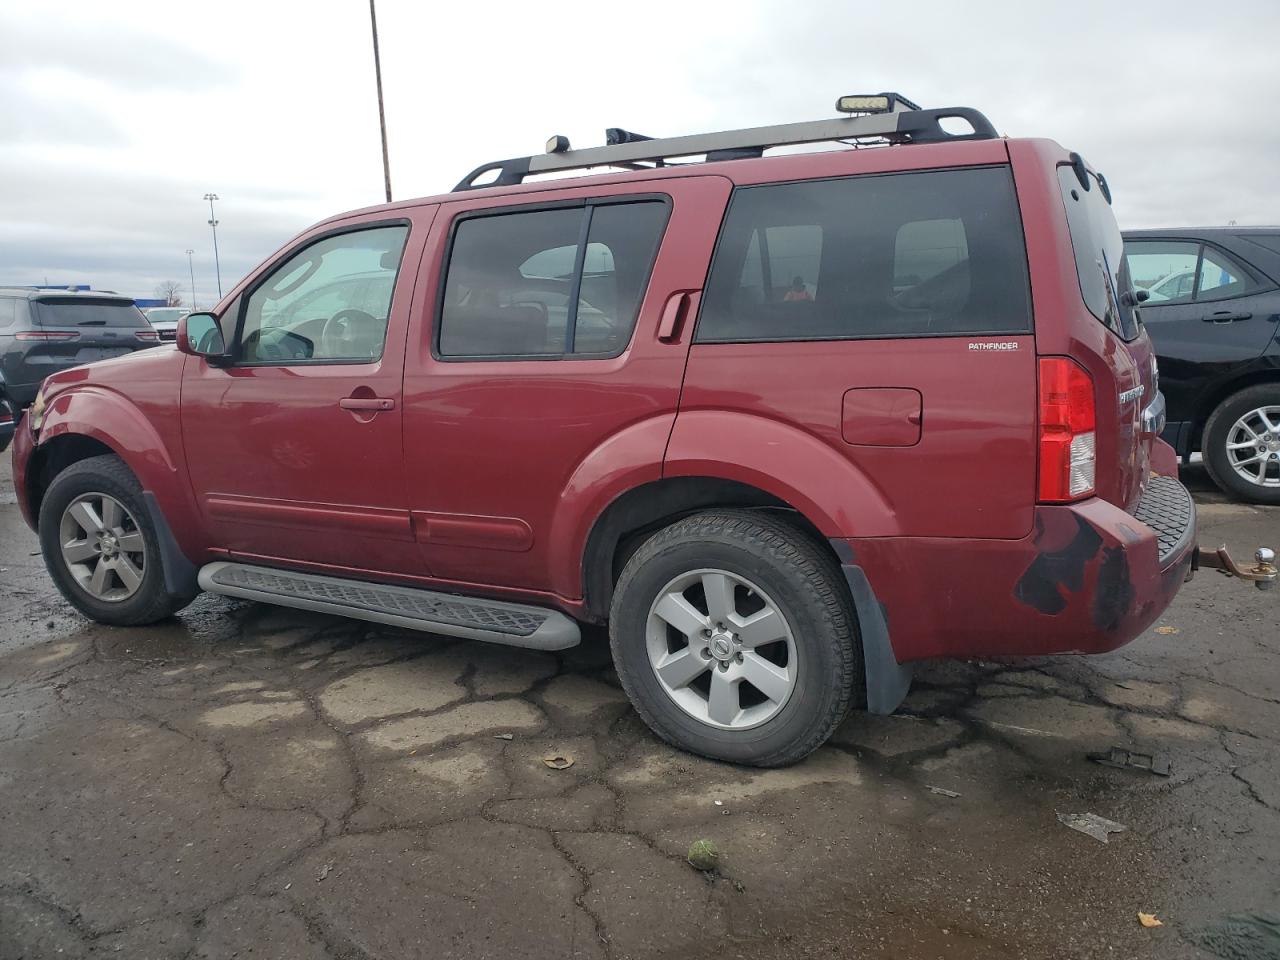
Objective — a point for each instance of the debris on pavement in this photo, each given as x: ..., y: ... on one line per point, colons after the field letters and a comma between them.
x: 1091, y: 825
x: 1167, y: 631
x: 324, y: 872
x: 556, y: 762
x: 504, y: 736
x: 1121, y: 758
x: 941, y: 792
x: 1149, y: 920
x: 703, y: 855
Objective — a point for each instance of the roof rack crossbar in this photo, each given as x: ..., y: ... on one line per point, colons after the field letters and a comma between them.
x: 904, y: 126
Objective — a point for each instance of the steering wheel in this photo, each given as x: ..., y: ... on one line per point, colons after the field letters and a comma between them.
x: 340, y: 333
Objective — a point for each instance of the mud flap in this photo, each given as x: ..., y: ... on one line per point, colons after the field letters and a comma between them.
x: 888, y: 681
x: 179, y: 572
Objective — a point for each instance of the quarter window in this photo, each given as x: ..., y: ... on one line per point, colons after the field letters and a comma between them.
x: 566, y: 282
x: 938, y: 253
x: 327, y: 303
x: 8, y: 311
x: 1219, y: 277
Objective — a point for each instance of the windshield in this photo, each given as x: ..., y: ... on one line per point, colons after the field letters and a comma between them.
x: 1099, y: 251
x: 84, y: 312
x: 166, y: 314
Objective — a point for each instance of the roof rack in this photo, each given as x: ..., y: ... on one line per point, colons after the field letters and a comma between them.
x: 897, y: 126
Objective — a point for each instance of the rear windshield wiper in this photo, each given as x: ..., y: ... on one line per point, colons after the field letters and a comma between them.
x: 92, y: 323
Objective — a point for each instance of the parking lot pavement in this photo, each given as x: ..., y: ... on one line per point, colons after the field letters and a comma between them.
x: 252, y: 782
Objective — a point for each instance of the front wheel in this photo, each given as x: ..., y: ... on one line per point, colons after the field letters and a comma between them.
x: 100, y: 545
x: 1241, y: 444
x: 733, y: 634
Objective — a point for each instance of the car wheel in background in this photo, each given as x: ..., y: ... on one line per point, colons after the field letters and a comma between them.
x: 1241, y: 444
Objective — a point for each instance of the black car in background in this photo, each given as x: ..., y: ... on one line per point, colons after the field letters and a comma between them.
x: 1212, y: 310
x: 43, y: 331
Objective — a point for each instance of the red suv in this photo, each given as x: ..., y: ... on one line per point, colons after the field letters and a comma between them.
x: 786, y: 423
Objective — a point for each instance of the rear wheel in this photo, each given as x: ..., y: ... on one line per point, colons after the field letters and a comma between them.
x: 100, y: 545
x: 733, y: 634
x: 1241, y: 444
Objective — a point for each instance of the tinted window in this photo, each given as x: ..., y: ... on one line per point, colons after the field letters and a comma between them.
x: 8, y: 311
x: 1099, y: 253
x: 523, y: 284
x: 1220, y: 277
x: 85, y: 312
x: 1165, y: 269
x: 938, y: 253
x: 328, y: 302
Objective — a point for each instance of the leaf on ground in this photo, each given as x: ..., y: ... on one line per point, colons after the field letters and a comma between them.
x: 1149, y: 920
x: 558, y: 762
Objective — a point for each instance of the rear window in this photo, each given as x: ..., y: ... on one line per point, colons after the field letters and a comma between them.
x: 934, y: 253
x: 1099, y: 252
x: 84, y: 312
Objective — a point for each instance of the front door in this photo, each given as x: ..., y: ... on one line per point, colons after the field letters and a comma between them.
x: 539, y: 370
x: 294, y: 449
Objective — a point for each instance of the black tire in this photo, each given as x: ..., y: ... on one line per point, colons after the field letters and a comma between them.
x: 8, y: 408
x: 106, y: 474
x: 809, y: 590
x: 1214, y: 443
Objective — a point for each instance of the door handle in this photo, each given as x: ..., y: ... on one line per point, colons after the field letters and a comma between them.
x: 1226, y: 316
x: 367, y: 403
x: 679, y: 306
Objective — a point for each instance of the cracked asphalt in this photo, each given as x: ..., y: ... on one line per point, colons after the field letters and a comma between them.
x: 245, y: 781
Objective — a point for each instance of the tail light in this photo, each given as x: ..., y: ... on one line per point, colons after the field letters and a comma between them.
x: 46, y: 335
x: 150, y: 336
x: 1068, y: 444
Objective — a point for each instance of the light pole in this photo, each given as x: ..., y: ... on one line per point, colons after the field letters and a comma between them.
x: 192, y: 270
x: 382, y: 117
x: 213, y: 223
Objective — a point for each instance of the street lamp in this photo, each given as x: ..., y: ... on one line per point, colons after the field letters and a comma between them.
x: 382, y: 117
x: 192, y: 270
x: 213, y: 223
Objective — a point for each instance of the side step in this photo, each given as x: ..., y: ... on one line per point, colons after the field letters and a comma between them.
x: 513, y: 624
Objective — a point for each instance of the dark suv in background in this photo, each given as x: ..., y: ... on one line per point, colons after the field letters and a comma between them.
x: 44, y: 331
x: 1212, y: 310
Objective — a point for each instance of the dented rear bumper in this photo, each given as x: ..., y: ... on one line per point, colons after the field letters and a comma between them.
x: 1089, y: 578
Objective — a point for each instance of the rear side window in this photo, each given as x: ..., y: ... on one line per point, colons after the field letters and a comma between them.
x: 1178, y: 271
x: 937, y: 253
x: 1099, y: 253
x: 565, y: 282
x: 87, y: 312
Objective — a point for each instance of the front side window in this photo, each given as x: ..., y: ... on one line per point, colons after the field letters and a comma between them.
x: 937, y: 253
x: 563, y: 282
x: 327, y: 303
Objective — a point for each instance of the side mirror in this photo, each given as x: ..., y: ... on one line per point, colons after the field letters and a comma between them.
x: 200, y: 336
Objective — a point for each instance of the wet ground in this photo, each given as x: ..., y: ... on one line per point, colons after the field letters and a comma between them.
x: 251, y: 782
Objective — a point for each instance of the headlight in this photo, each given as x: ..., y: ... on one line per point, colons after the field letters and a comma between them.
x: 37, y: 410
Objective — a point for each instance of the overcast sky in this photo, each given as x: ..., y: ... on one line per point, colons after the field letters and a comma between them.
x: 116, y: 118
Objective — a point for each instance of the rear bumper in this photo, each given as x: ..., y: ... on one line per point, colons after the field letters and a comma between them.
x: 1089, y: 578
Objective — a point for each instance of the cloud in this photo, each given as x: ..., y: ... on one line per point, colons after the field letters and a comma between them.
x: 119, y: 118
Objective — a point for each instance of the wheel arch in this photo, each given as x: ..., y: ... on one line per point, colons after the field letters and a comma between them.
x: 1216, y: 395
x: 628, y: 519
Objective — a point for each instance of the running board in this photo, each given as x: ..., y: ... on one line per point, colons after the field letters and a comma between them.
x: 513, y: 624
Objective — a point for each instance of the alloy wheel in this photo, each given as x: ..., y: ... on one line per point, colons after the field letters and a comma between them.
x: 1253, y: 446
x: 721, y: 649
x: 102, y: 547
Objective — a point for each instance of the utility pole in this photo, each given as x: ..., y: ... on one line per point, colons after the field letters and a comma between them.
x: 382, y: 117
x: 213, y: 223
x: 192, y: 270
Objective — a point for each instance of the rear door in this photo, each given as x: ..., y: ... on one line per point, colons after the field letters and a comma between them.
x: 888, y: 316
x: 68, y: 331
x: 1207, y: 314
x: 537, y: 365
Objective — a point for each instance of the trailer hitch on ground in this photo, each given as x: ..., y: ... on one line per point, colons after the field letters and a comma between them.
x: 1262, y: 574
